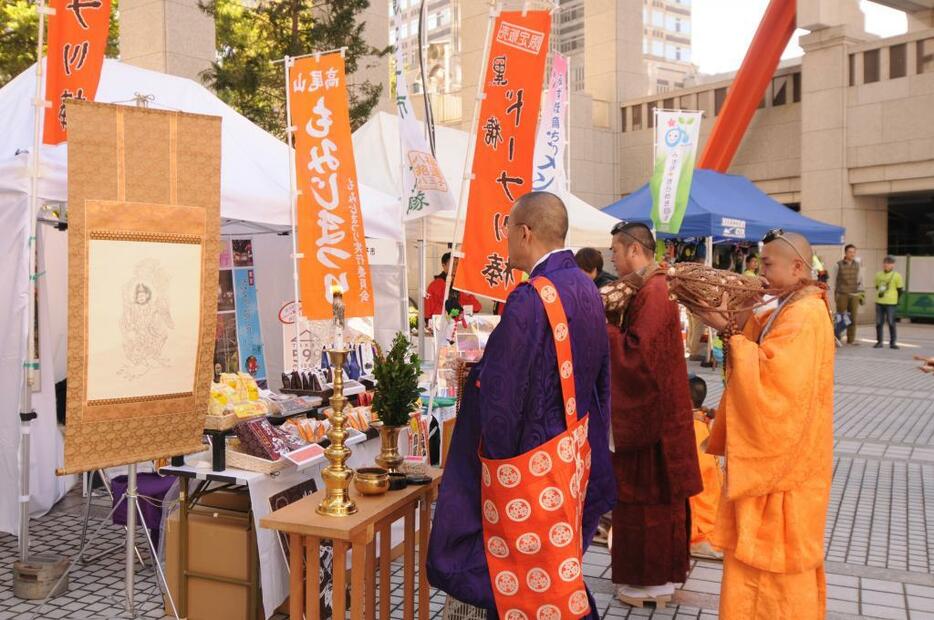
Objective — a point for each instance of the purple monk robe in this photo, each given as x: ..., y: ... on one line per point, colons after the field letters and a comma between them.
x: 512, y: 404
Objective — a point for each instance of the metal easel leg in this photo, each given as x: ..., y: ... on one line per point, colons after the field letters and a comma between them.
x: 87, y: 516
x: 130, y: 568
x: 155, y: 560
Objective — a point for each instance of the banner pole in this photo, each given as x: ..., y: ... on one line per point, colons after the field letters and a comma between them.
x: 567, y: 127
x: 465, y: 191
x: 31, y: 364
x: 430, y: 130
x: 293, y: 210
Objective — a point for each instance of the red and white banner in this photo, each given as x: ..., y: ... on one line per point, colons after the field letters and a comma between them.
x: 77, y: 42
x: 550, y: 173
x: 331, y: 240
x: 503, y: 151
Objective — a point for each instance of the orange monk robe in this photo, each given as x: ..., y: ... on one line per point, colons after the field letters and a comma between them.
x: 704, y: 504
x: 775, y: 427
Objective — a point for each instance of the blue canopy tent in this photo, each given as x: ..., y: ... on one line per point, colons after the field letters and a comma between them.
x: 728, y: 207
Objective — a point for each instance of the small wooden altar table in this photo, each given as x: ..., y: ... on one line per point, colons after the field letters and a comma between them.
x: 356, y: 535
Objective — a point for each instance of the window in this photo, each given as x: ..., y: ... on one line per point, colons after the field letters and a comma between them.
x: 796, y: 87
x: 780, y: 91
x: 577, y: 77
x: 668, y: 104
x: 622, y: 123
x: 658, y: 48
x: 852, y: 69
x: 650, y: 114
x: 686, y: 54
x: 672, y: 23
x: 685, y: 26
x: 898, y: 61
x: 719, y: 97
x: 926, y: 56
x: 404, y: 31
x: 658, y: 19
x: 670, y: 53
x: 637, y: 117
x: 870, y: 66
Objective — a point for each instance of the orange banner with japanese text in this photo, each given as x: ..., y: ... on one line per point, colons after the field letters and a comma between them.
x: 504, y: 149
x: 331, y: 241
x: 77, y: 41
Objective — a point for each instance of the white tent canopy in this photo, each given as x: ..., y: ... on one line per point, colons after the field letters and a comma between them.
x: 254, y: 198
x: 379, y: 139
x: 254, y: 166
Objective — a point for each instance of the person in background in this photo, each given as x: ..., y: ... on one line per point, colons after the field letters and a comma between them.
x: 752, y: 266
x: 848, y: 288
x: 434, y: 296
x: 889, y: 288
x: 774, y: 427
x: 590, y: 261
x: 655, y: 457
x: 704, y: 504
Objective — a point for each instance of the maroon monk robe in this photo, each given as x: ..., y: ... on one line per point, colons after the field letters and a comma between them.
x: 656, y: 459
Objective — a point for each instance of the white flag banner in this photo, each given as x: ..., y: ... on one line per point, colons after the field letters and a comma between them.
x: 424, y: 190
x: 548, y: 171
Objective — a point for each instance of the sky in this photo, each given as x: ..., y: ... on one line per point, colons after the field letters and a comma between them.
x: 723, y: 29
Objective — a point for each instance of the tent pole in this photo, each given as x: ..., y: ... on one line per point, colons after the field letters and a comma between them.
x: 31, y: 364
x: 422, y: 260
x: 465, y: 192
x: 708, y: 260
x: 293, y: 211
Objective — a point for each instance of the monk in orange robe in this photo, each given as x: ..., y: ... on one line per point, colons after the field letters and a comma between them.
x: 774, y: 425
x: 704, y: 504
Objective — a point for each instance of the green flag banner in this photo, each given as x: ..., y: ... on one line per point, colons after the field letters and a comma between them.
x: 676, y: 135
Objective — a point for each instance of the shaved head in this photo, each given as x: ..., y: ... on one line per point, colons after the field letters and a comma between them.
x: 786, y: 260
x: 538, y: 224
x: 638, y: 234
x: 545, y: 214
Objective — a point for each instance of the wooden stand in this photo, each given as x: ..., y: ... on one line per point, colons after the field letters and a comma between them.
x: 356, y: 535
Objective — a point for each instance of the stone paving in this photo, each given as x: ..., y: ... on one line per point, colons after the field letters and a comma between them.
x: 879, y: 534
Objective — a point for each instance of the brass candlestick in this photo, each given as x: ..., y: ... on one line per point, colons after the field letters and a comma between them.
x: 337, y: 475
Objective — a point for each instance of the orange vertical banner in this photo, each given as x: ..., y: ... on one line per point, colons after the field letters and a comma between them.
x: 77, y: 42
x: 331, y: 240
x: 504, y: 149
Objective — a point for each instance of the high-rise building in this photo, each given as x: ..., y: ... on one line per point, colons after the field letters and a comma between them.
x: 666, y: 43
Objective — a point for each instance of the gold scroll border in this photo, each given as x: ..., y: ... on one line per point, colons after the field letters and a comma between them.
x: 196, y: 182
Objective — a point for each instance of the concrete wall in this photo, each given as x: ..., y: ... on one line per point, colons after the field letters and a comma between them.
x: 171, y: 36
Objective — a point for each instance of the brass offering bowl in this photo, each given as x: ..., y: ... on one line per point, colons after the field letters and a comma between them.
x: 371, y: 481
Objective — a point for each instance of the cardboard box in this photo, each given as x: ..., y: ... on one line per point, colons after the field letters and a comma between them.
x: 222, y: 544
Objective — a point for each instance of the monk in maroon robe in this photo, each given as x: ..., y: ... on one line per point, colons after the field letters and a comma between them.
x: 655, y: 458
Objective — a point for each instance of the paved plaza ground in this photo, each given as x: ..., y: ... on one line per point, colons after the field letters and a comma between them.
x: 879, y: 535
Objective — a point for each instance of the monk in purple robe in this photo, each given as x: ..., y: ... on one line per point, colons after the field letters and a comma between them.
x: 512, y: 399
x: 655, y: 457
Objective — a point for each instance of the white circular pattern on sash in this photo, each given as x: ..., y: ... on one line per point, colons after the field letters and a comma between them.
x: 515, y: 614
x: 574, y: 487
x: 561, y: 534
x: 570, y: 569
x: 570, y: 407
x: 578, y: 603
x: 490, y: 513
x: 548, y: 612
x: 538, y: 580
x: 518, y: 510
x: 549, y: 294
x: 507, y: 583
x: 561, y: 332
x: 497, y: 547
x: 540, y: 463
x: 551, y: 498
x: 588, y: 460
x: 508, y: 476
x: 566, y: 369
x: 529, y: 543
x: 566, y: 449
x: 581, y: 434
x: 485, y: 475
